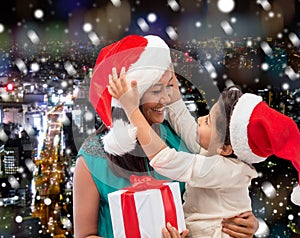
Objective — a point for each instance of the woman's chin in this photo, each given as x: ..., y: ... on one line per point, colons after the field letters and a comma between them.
x: 157, y: 120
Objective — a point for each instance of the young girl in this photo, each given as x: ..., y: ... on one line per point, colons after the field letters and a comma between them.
x: 216, y: 184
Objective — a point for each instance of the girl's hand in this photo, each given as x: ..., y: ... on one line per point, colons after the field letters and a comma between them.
x: 118, y: 88
x: 243, y: 226
x: 172, y: 232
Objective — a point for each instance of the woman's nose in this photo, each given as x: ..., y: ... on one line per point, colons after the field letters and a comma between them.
x: 165, y: 97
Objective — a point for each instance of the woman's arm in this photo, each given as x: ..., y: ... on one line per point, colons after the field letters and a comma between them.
x: 86, y: 202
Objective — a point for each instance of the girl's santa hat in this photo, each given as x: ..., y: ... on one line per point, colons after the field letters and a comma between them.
x: 145, y: 59
x: 258, y: 131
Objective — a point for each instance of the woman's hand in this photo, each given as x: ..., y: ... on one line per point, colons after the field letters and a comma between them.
x: 172, y: 232
x: 176, y: 93
x: 243, y: 226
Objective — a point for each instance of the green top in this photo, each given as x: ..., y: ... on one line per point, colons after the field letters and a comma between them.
x: 107, y: 182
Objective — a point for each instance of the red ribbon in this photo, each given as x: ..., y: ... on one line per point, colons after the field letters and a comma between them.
x: 128, y: 207
x: 142, y: 183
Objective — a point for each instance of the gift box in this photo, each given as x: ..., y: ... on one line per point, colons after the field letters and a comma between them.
x: 143, y: 209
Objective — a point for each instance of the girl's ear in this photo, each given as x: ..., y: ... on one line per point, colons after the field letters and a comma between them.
x: 225, y: 150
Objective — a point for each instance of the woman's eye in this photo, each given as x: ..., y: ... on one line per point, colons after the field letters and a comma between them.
x: 169, y: 89
x: 156, y: 92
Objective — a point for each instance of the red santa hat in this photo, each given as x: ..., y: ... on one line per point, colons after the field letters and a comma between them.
x: 145, y: 59
x: 258, y: 131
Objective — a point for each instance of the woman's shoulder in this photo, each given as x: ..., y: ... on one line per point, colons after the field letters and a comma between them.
x: 93, y: 154
x: 92, y: 146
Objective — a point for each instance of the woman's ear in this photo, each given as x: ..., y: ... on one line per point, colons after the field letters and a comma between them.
x: 225, y: 150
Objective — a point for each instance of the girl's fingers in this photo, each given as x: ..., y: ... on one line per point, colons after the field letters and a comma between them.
x: 112, y: 86
x: 114, y: 73
x: 117, y: 86
x: 123, y: 79
x: 111, y: 91
x: 114, y: 81
x: 122, y: 73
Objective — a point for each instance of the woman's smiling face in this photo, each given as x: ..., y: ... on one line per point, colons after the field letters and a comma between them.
x: 156, y: 98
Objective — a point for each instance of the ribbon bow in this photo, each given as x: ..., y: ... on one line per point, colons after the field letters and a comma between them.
x: 141, y: 183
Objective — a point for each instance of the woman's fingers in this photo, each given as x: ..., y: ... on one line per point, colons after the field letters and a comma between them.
x: 172, y: 232
x: 166, y: 233
x: 184, y: 233
x: 244, y: 225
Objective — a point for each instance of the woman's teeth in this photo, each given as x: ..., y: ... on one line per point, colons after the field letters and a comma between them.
x: 158, y: 109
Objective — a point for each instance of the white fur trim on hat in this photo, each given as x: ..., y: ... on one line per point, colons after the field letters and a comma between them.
x: 238, y: 128
x: 150, y: 66
x: 120, y: 139
x: 295, y: 196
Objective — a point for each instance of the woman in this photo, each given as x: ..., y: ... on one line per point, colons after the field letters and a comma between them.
x: 105, y: 162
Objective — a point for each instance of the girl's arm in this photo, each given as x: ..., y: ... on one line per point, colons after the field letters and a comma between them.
x: 148, y: 138
x: 181, y: 120
x: 184, y: 124
x: 86, y: 202
x: 129, y: 99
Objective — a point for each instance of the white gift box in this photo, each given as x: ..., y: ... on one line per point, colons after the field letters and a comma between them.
x: 147, y: 217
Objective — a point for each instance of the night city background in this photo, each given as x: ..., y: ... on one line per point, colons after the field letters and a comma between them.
x: 47, y: 52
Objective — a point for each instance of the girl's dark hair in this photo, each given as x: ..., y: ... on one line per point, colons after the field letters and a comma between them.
x: 134, y: 162
x: 227, y: 101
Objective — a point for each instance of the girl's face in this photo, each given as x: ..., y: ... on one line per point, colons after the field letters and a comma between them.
x: 208, y: 136
x: 156, y: 98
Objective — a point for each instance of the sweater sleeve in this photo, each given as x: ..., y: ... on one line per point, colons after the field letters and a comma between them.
x: 184, y: 124
x: 199, y: 170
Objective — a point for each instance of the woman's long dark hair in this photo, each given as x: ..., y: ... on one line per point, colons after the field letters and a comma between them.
x: 134, y: 162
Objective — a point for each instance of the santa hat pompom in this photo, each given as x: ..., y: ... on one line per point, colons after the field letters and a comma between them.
x: 120, y: 139
x: 295, y: 196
